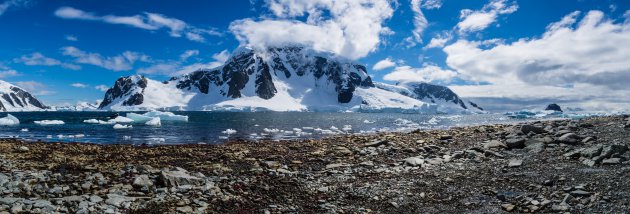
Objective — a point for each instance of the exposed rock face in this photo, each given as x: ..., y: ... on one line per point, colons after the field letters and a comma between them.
x: 553, y: 107
x: 13, y: 98
x: 131, y: 87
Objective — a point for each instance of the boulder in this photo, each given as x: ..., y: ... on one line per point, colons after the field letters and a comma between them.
x: 494, y: 144
x: 142, y: 181
x: 592, y: 151
x: 177, y: 176
x: 569, y: 138
x: 515, y: 143
x: 553, y: 107
x: 526, y: 129
x: 414, y: 161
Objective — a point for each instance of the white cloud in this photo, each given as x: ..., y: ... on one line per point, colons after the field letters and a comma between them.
x: 146, y: 21
x: 438, y: 41
x: 419, y: 20
x: 102, y: 88
x: 472, y: 21
x: 72, y: 38
x: 79, y: 85
x: 6, y: 5
x: 427, y: 73
x: 39, y: 59
x: 383, y: 64
x: 176, y: 68
x: 8, y: 73
x: 432, y: 4
x: 121, y: 62
x: 571, y: 59
x: 350, y: 28
x: 35, y: 88
x: 187, y: 54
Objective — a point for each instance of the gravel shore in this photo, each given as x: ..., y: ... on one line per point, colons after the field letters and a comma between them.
x: 575, y: 166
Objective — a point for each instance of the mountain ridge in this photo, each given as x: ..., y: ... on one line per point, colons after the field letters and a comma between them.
x: 14, y: 98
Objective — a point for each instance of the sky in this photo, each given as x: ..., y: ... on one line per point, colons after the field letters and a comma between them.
x: 503, y: 54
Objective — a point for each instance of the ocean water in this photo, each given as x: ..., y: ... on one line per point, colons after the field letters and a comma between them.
x: 217, y: 127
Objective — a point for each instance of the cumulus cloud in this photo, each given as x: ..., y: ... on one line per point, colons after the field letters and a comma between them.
x: 189, y: 53
x: 102, y: 88
x: 121, y: 62
x: 35, y: 88
x: 79, y: 85
x: 571, y: 59
x: 6, y: 5
x: 383, y: 64
x: 146, y: 21
x: 426, y: 73
x: 472, y: 21
x: 350, y: 28
x: 39, y: 59
x: 180, y: 67
x: 438, y: 41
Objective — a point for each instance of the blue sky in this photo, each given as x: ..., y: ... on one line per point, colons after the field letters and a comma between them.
x: 66, y: 51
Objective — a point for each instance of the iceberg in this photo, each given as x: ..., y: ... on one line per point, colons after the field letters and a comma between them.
x: 121, y: 119
x: 9, y: 120
x: 24, y: 130
x: 49, y: 122
x: 166, y: 116
x: 229, y: 131
x: 154, y: 122
x: 119, y: 126
x: 169, y: 116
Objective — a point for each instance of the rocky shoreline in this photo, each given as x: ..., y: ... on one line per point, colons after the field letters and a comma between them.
x: 547, y: 166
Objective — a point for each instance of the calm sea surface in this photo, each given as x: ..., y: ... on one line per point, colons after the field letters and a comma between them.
x: 217, y: 127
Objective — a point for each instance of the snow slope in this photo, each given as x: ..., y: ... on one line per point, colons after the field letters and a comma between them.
x: 13, y: 98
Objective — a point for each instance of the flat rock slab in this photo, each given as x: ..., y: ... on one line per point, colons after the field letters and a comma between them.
x: 515, y: 163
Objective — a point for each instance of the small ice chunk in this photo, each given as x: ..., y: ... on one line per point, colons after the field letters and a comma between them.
x: 368, y: 122
x: 168, y: 116
x: 119, y: 126
x: 9, y: 120
x: 24, y: 130
x: 347, y: 128
x: 79, y: 135
x: 95, y: 121
x: 121, y: 119
x: 126, y: 137
x: 49, y: 122
x: 271, y: 130
x: 49, y: 136
x: 229, y: 131
x: 334, y: 128
x: 296, y: 130
x: 154, y: 122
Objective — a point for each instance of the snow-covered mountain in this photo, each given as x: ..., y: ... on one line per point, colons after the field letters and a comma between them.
x: 276, y: 79
x: 80, y: 106
x: 442, y: 96
x: 13, y: 98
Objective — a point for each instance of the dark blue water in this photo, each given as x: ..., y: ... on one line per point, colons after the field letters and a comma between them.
x: 209, y: 127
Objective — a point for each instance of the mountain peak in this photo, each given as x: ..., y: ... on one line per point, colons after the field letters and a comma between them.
x: 13, y: 98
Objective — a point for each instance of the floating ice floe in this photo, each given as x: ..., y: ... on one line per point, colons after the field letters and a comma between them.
x: 121, y: 119
x: 49, y: 136
x: 229, y: 131
x: 126, y: 137
x: 296, y: 130
x: 49, y: 122
x: 154, y: 122
x: 347, y: 128
x: 9, y: 120
x: 120, y: 126
x: 368, y: 122
x: 102, y: 122
x: 271, y: 130
x: 24, y: 130
x: 167, y: 116
x: 79, y: 135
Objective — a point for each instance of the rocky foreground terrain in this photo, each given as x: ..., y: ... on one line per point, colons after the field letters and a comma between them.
x: 576, y: 166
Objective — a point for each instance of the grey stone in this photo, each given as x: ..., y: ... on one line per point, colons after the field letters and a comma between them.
x: 534, y: 146
x: 580, y: 193
x: 17, y: 208
x: 96, y: 199
x: 414, y: 161
x: 515, y: 143
x: 569, y: 138
x: 526, y: 129
x: 494, y: 144
x: 515, y: 163
x: 177, y: 176
x: 574, y: 154
x: 185, y: 209
x: 611, y: 161
x: 117, y: 200
x: 9, y: 200
x: 23, y: 149
x: 376, y: 143
x: 592, y: 151
x: 74, y: 198
x: 142, y: 181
